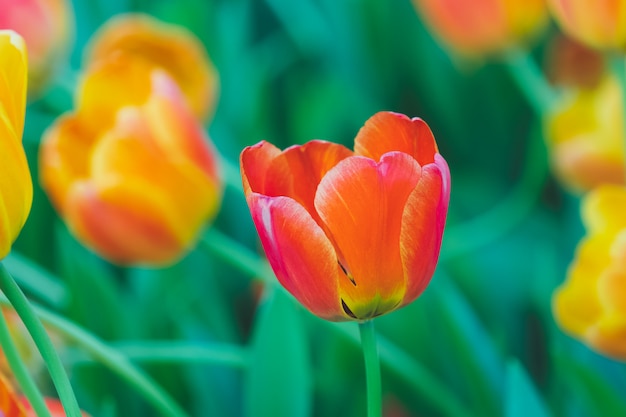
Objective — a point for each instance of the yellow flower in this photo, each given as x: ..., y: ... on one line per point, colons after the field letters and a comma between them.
x: 47, y: 29
x: 136, y: 182
x: 157, y: 44
x: 480, y: 27
x: 585, y: 136
x: 16, y: 189
x: 601, y: 23
x: 591, y: 304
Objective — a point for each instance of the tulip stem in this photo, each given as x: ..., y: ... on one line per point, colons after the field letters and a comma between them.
x: 618, y: 65
x: 115, y: 361
x: 372, y: 368
x: 25, y: 381
x: 58, y: 375
x: 393, y: 357
x: 207, y: 353
x: 531, y: 81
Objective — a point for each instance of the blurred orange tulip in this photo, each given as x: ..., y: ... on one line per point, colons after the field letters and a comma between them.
x: 352, y: 235
x: 601, y: 23
x: 16, y: 189
x: 591, y: 304
x: 47, y: 29
x: 585, y: 136
x: 479, y: 27
x: 54, y: 406
x: 13, y: 404
x: 135, y: 183
x: 156, y: 44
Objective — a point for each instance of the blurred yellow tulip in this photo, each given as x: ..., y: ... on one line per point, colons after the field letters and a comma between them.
x: 479, y: 27
x: 138, y: 188
x: 585, y: 135
x: 591, y: 304
x: 47, y: 29
x: 601, y: 23
x: 16, y: 189
x: 157, y: 44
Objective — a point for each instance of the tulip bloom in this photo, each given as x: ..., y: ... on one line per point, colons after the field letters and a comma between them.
x: 480, y: 27
x: 600, y: 24
x: 159, y: 45
x: 14, y: 405
x: 46, y: 26
x: 585, y: 136
x: 591, y: 304
x: 137, y: 190
x: 352, y: 235
x: 16, y: 189
x: 54, y: 406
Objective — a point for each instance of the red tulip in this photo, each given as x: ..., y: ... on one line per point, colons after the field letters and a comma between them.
x: 352, y: 235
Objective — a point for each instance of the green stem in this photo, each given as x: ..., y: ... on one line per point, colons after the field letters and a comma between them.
x: 36, y: 281
x: 391, y: 356
x: 27, y: 385
x: 530, y: 80
x: 113, y: 360
x: 213, y: 353
x: 57, y: 373
x: 618, y: 65
x: 372, y: 368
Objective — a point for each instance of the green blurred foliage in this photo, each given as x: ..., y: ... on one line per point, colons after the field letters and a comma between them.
x: 291, y: 72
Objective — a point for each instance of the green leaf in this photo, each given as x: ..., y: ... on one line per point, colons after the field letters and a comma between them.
x: 586, y: 380
x: 478, y: 365
x: 279, y: 382
x: 522, y: 399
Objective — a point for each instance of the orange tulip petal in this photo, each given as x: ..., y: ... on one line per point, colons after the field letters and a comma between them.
x: 423, y: 222
x: 361, y: 204
x: 129, y: 151
x: 112, y: 219
x: 10, y: 402
x: 386, y: 131
x: 105, y: 88
x: 481, y: 27
x: 177, y: 131
x: 298, y: 170
x: 299, y: 252
x: 64, y: 157
x: 603, y: 26
x: 608, y: 336
x: 160, y: 45
x: 254, y: 163
x: 54, y: 406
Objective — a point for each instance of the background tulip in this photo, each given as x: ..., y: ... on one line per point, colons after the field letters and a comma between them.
x: 601, y: 24
x: 157, y: 44
x: 352, y: 235
x: 141, y: 190
x: 590, y: 304
x: 483, y: 26
x: 47, y: 29
x: 584, y: 132
x: 16, y: 190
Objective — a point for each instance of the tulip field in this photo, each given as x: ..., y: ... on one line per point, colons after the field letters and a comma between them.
x: 314, y: 208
